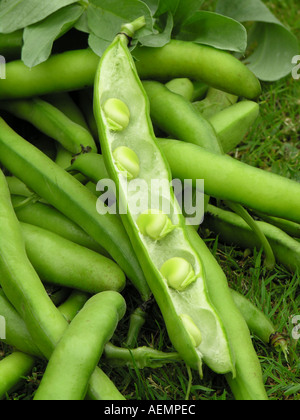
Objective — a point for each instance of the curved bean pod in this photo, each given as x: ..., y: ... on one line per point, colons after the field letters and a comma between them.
x: 233, y: 230
x: 233, y: 123
x: 52, y: 122
x: 12, y: 369
x: 183, y: 87
x: 130, y: 150
x: 248, y: 383
x: 11, y: 44
x: 216, y: 68
x: 80, y: 348
x: 215, y: 101
x: 65, y: 103
x: 259, y: 324
x: 70, y: 197
x: 252, y: 187
x: 60, y: 73
x: 20, y: 281
x: 47, y: 217
x: 17, y: 335
x: 291, y: 228
x: 62, y: 262
x: 167, y: 109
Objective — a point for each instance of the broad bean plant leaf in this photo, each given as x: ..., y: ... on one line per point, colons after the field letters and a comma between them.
x: 215, y: 30
x: 39, y: 38
x: 17, y: 14
x: 272, y: 45
x: 105, y: 17
x: 185, y: 9
x: 159, y: 38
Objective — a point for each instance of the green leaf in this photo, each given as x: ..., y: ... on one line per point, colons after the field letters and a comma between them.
x: 167, y: 6
x: 153, y: 5
x: 105, y: 17
x: 185, y: 9
x: 17, y: 14
x: 272, y: 58
x: 39, y: 38
x: 215, y: 30
x: 159, y: 39
x: 272, y: 46
x: 98, y: 45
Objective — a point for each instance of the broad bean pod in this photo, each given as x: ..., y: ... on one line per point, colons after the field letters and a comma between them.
x: 62, y: 262
x: 47, y: 217
x: 216, y: 68
x: 248, y: 383
x: 12, y: 369
x: 52, y: 122
x: 252, y: 187
x: 11, y: 44
x: 18, y: 336
x: 131, y: 153
x: 233, y: 123
x: 215, y: 101
x: 80, y: 348
x: 259, y: 324
x: 234, y: 231
x: 20, y: 281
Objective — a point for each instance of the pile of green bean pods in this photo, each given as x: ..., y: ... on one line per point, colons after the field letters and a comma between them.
x: 82, y: 265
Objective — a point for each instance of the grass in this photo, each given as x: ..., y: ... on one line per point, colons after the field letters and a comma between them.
x: 272, y: 144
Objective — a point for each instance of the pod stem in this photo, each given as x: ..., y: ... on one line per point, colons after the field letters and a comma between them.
x: 278, y: 342
x: 270, y: 260
x: 129, y: 29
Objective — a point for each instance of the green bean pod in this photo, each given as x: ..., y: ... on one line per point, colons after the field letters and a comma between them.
x: 234, y: 231
x: 215, y: 101
x: 12, y: 369
x: 91, y: 165
x: 11, y: 45
x: 259, y: 324
x: 173, y: 270
x: 80, y: 348
x: 47, y: 217
x: 62, y: 262
x: 177, y: 117
x: 20, y: 281
x: 183, y: 87
x: 233, y: 123
x: 229, y: 179
x: 291, y: 228
x: 65, y: 103
x: 248, y: 383
x: 52, y: 122
x: 216, y: 68
x: 72, y: 199
x: 60, y: 73
x: 17, y: 335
